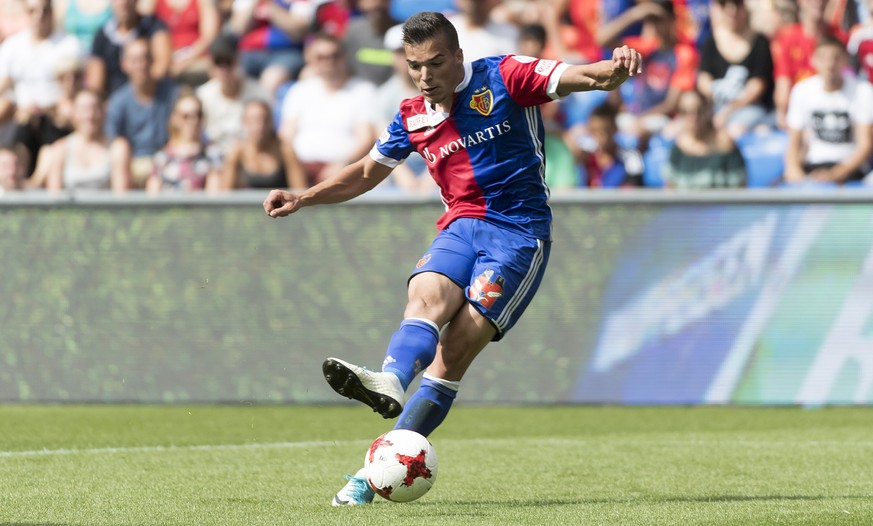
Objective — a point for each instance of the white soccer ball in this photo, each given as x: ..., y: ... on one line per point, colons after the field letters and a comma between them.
x: 401, y: 465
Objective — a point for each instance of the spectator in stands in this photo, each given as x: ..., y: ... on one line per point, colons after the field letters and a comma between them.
x: 105, y: 73
x: 861, y: 44
x: 411, y: 176
x: 792, y: 49
x: 82, y: 19
x: 703, y: 156
x: 271, y: 38
x: 736, y: 70
x: 650, y: 100
x: 575, y: 25
x: 187, y: 162
x: 11, y: 169
x: 192, y: 25
x: 769, y: 17
x: 224, y: 95
x: 400, y: 86
x: 29, y: 88
x: 605, y: 163
x: 59, y: 121
x: 560, y: 165
x: 82, y: 160
x: 138, y: 113
x: 364, y: 41
x: 328, y: 117
x: 479, y: 35
x: 261, y: 159
x: 830, y: 121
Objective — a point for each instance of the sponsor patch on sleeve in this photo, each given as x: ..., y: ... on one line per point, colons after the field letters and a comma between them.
x: 545, y: 67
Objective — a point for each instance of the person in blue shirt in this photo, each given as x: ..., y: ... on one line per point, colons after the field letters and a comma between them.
x: 478, y: 127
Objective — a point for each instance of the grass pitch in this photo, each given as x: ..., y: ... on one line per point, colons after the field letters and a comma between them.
x: 272, y: 465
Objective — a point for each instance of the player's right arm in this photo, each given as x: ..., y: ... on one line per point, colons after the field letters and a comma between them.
x: 352, y: 181
x: 603, y: 75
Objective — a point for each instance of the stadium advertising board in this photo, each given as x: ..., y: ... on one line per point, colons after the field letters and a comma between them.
x: 642, y: 303
x: 749, y: 304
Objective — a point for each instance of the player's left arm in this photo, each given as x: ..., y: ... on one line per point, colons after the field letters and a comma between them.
x: 352, y: 181
x: 603, y: 75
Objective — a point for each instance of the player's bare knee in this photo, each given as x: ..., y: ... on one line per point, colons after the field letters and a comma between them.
x: 428, y: 307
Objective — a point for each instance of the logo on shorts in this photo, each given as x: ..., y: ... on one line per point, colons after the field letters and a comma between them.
x: 485, y: 290
x: 483, y: 102
x: 423, y: 261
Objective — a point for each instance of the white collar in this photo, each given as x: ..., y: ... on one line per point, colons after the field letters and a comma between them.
x: 435, y: 117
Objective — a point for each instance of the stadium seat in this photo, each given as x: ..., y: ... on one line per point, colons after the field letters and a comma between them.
x: 764, y: 153
x: 654, y: 159
x: 281, y: 91
x: 403, y: 9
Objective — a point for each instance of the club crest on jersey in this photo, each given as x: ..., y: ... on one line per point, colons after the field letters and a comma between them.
x: 482, y: 101
x: 486, y: 291
x: 423, y: 261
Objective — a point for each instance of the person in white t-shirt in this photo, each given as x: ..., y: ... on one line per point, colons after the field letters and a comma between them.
x: 29, y: 87
x: 29, y: 59
x: 226, y: 92
x: 328, y: 117
x: 830, y: 121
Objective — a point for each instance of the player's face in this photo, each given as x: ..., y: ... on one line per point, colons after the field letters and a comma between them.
x: 435, y: 69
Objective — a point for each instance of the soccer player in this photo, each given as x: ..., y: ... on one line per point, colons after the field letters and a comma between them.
x: 478, y: 128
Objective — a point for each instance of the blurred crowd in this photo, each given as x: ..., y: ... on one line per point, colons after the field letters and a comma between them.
x: 217, y: 95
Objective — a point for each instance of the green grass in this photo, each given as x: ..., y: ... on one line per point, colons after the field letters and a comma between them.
x: 272, y: 465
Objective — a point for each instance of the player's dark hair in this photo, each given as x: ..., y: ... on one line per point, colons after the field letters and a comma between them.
x: 428, y: 25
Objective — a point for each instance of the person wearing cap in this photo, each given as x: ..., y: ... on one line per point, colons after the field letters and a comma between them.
x: 225, y: 93
x: 411, y: 176
x: 365, y: 41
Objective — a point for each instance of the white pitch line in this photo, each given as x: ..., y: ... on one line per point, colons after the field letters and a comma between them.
x: 557, y: 441
x: 164, y: 449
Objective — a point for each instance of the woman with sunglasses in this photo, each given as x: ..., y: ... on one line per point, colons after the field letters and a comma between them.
x: 187, y: 162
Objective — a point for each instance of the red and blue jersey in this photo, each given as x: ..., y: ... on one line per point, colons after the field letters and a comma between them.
x: 487, y: 154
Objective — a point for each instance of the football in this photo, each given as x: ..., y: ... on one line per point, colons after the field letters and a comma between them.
x: 401, y: 465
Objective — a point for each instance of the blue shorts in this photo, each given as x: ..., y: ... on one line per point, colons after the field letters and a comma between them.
x: 498, y: 269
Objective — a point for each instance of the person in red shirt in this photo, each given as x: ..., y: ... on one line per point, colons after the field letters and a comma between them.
x: 793, y: 47
x: 861, y: 44
x: 192, y: 25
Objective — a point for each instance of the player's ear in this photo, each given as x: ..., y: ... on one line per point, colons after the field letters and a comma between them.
x: 459, y: 56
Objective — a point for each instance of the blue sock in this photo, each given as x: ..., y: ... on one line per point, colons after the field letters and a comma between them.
x: 428, y: 407
x: 411, y: 349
